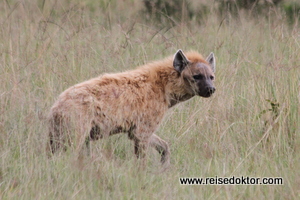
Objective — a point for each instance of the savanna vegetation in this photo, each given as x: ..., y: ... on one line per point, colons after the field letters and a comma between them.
x: 250, y: 127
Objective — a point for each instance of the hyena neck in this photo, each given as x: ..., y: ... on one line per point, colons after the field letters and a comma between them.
x: 175, y: 99
x: 168, y: 80
x: 175, y: 91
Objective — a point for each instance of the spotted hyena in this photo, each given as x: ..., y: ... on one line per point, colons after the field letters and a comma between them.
x: 132, y: 102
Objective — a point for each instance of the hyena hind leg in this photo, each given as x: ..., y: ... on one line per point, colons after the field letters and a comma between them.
x: 56, y: 141
x: 162, y: 147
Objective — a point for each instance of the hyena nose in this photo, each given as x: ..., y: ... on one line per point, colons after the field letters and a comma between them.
x: 211, y: 90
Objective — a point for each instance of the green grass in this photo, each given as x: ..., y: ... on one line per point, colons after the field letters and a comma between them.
x: 46, y: 49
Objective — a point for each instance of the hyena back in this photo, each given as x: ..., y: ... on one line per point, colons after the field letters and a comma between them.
x: 132, y: 102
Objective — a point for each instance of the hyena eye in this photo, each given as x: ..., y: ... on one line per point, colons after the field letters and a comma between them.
x: 212, y: 77
x: 198, y: 77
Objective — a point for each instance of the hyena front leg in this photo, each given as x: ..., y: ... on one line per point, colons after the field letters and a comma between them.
x: 162, y: 147
x: 140, y: 148
x: 141, y: 143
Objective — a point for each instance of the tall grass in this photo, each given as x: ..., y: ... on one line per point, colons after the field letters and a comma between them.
x: 250, y: 127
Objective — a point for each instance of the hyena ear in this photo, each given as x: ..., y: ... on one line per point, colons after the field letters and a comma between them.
x: 211, y: 61
x: 180, y: 61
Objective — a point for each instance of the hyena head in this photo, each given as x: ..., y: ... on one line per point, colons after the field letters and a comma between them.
x: 197, y: 76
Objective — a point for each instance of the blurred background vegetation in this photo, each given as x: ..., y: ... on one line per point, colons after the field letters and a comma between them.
x: 164, y: 12
x: 176, y: 10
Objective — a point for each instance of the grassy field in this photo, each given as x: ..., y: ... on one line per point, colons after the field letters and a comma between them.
x: 250, y: 127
